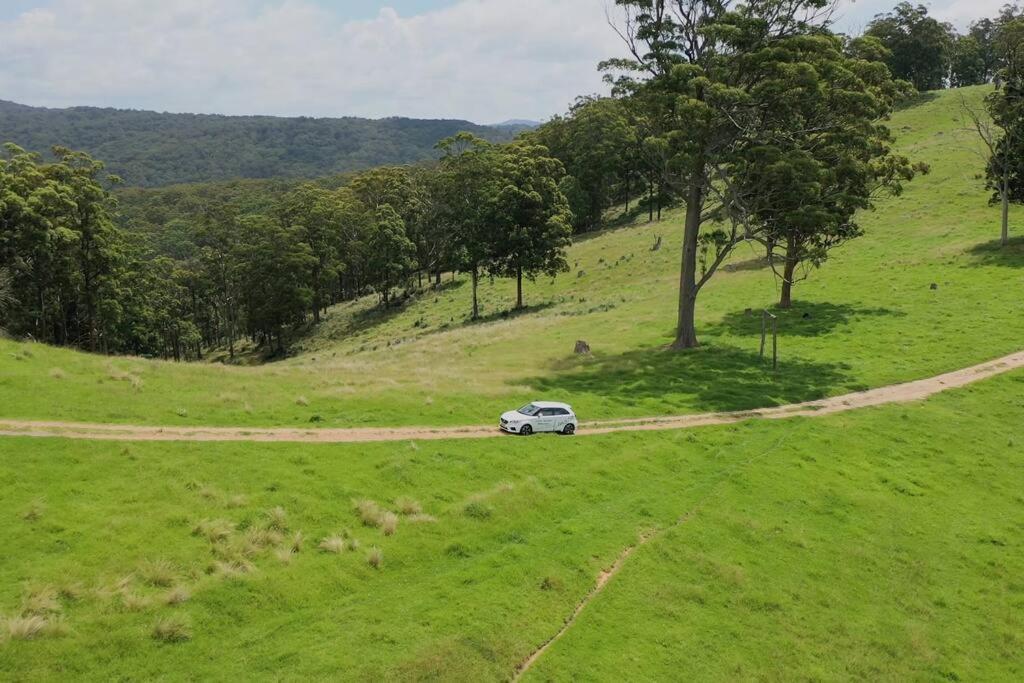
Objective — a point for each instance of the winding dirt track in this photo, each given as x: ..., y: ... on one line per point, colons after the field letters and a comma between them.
x: 896, y: 393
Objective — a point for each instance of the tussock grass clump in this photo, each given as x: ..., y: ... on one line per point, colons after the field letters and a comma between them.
x: 375, y: 558
x: 232, y: 569
x: 284, y: 555
x: 134, y: 602
x: 28, y: 627
x: 332, y: 544
x: 369, y: 512
x: 172, y: 629
x: 34, y: 511
x: 181, y: 412
x: 264, y: 538
x: 236, y: 501
x: 160, y: 573
x: 421, y: 518
x: 178, y: 595
x: 40, y: 600
x: 214, y: 530
x: 209, y: 493
x: 352, y: 543
x: 302, y: 401
x: 297, y: 539
x: 57, y: 373
x: 389, y: 523
x: 408, y: 506
x: 476, y: 510
x: 277, y: 519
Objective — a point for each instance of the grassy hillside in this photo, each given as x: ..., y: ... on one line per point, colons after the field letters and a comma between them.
x: 870, y: 317
x: 151, y: 149
x: 876, y: 544
x: 854, y: 546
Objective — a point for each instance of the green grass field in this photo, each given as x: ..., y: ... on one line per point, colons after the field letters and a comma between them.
x: 880, y: 544
x: 877, y: 544
x: 868, y: 318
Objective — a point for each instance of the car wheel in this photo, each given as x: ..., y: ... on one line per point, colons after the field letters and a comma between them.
x: 569, y: 429
x: 526, y: 430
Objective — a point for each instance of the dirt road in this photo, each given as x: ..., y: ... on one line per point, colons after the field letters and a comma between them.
x: 896, y: 393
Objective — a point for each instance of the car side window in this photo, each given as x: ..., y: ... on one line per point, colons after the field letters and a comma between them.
x: 561, y: 411
x: 546, y: 412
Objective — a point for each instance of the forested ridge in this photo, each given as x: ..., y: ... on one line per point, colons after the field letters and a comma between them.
x: 150, y: 149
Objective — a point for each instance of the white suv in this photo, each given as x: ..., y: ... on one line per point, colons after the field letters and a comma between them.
x: 540, y: 416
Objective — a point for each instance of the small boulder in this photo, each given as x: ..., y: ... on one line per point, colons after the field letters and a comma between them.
x: 582, y: 348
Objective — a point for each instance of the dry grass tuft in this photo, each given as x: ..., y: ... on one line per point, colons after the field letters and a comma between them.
x: 264, y: 538
x: 352, y: 543
x: 209, y: 493
x: 172, y: 629
x: 297, y: 539
x: 34, y: 511
x: 302, y: 401
x: 26, y: 628
x: 214, y: 530
x: 369, y: 512
x: 408, y: 506
x: 389, y: 523
x: 231, y: 569
x: 422, y: 518
x: 236, y: 501
x: 134, y: 602
x: 375, y: 558
x: 332, y: 544
x: 160, y: 573
x: 178, y: 595
x: 41, y: 601
x: 284, y: 555
x: 57, y: 373
x: 277, y: 518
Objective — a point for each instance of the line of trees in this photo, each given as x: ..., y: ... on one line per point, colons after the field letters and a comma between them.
x: 932, y: 55
x: 70, y: 276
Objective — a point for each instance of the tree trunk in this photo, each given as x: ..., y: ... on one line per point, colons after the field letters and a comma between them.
x: 650, y: 201
x: 476, y: 309
x: 1005, y: 237
x: 686, y: 332
x: 519, y: 287
x: 437, y: 279
x: 788, y: 270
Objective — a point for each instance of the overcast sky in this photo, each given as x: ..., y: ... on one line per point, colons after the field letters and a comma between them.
x: 482, y: 60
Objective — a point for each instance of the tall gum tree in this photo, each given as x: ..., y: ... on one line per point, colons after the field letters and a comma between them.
x: 719, y: 78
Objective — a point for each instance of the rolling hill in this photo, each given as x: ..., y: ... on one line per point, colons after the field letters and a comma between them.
x: 153, y: 149
x: 880, y: 543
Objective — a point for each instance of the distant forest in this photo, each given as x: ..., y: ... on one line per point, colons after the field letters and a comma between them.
x: 149, y: 149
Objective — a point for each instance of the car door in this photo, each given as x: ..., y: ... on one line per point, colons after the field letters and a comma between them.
x: 561, y: 419
x: 545, y: 420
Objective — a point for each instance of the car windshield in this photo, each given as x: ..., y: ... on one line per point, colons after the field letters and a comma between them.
x: 529, y: 409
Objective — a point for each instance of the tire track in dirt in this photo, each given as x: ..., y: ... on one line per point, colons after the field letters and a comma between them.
x: 896, y: 393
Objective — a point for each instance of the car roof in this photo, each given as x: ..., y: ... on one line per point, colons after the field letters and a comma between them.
x: 550, y: 404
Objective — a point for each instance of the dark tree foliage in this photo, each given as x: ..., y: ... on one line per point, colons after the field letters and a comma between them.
x: 154, y: 149
x: 920, y: 47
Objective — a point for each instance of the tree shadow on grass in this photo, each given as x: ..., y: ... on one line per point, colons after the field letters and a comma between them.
x: 995, y: 254
x: 804, y: 319
x: 713, y: 378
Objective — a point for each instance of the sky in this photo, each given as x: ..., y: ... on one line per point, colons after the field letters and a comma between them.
x: 481, y: 60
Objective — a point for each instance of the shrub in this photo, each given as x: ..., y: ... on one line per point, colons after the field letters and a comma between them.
x: 375, y: 558
x: 158, y: 573
x: 172, y: 629
x: 476, y: 510
x: 408, y: 506
x: 332, y: 544
x: 389, y: 523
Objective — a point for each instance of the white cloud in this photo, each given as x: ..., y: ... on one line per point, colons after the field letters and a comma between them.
x: 484, y: 60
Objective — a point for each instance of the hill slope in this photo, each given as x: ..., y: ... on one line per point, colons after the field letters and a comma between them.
x: 151, y: 149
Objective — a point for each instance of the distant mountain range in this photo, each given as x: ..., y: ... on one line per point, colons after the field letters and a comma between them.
x: 515, y: 125
x: 149, y: 149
